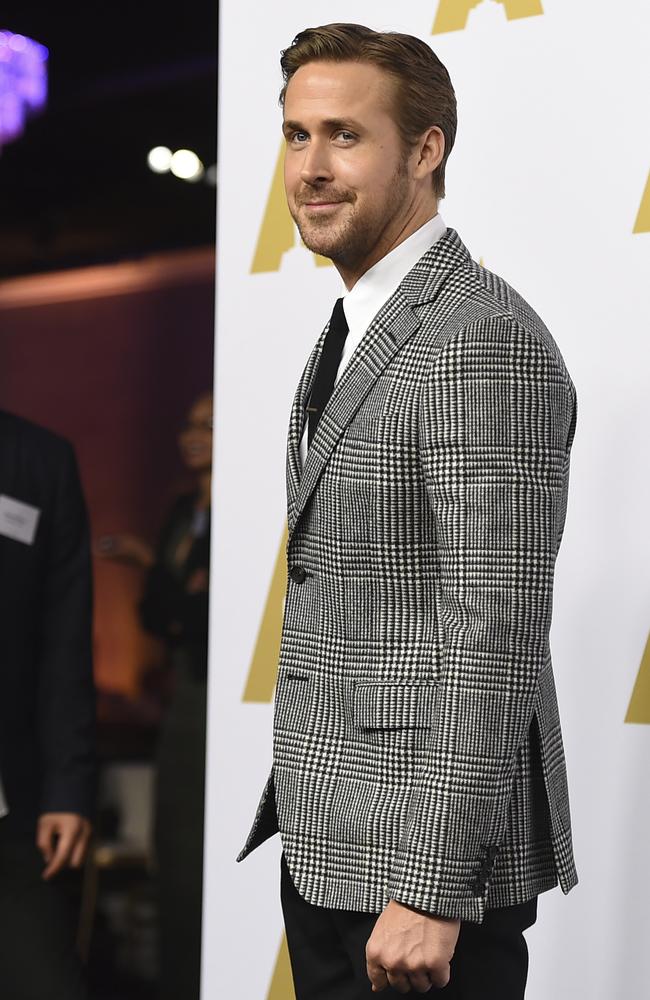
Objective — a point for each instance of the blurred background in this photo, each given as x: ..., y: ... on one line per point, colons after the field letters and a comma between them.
x: 107, y: 229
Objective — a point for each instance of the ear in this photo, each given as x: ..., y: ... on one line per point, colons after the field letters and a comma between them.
x: 430, y: 151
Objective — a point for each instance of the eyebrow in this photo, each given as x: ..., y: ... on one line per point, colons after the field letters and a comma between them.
x: 331, y: 123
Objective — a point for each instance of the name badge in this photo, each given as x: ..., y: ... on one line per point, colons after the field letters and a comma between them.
x: 18, y: 520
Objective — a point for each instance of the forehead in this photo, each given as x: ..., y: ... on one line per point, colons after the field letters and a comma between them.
x: 339, y: 90
x: 201, y: 406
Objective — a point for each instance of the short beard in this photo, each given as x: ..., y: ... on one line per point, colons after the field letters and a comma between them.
x: 356, y: 239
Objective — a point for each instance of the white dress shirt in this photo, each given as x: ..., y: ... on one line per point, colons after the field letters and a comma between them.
x: 374, y: 288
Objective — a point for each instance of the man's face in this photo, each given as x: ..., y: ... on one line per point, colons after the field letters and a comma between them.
x: 345, y: 170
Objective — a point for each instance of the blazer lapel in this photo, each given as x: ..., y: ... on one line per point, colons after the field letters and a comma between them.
x: 396, y: 321
x: 393, y: 325
x: 296, y: 424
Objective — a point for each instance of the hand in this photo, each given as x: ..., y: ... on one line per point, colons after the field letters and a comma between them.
x: 127, y: 549
x: 62, y: 839
x: 410, y: 950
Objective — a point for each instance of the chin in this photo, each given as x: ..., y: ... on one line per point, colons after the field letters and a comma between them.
x: 323, y: 239
x: 196, y: 464
x: 321, y: 245
x: 321, y: 251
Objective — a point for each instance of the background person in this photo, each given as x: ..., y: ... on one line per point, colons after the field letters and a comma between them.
x: 47, y: 709
x: 175, y: 607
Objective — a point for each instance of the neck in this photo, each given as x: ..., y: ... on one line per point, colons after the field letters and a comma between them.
x: 395, y: 232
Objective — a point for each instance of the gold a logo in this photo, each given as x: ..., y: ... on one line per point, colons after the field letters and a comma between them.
x: 452, y: 15
x: 277, y: 233
x: 639, y: 708
x: 642, y: 224
x: 264, y: 664
x: 281, y: 987
x: 259, y: 688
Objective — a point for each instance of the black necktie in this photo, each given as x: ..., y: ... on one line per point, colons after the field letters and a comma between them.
x: 328, y: 366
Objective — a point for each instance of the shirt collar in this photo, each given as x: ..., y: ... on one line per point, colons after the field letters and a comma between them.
x: 375, y: 287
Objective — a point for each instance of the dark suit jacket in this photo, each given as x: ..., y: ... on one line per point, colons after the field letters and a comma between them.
x: 47, y: 702
x: 167, y: 609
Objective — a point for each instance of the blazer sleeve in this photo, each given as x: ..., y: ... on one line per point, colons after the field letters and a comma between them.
x: 495, y: 432
x: 66, y: 694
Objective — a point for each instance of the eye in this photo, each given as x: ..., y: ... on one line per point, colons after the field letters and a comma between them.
x: 345, y: 137
x: 298, y: 137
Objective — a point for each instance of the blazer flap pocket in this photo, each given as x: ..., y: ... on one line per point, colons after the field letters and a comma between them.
x: 394, y: 706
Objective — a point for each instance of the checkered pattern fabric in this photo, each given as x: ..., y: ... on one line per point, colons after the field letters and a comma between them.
x: 417, y: 745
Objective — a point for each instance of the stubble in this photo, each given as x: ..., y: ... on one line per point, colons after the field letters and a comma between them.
x: 356, y: 237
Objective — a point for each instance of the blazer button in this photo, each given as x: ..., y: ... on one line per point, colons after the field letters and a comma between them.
x: 298, y: 574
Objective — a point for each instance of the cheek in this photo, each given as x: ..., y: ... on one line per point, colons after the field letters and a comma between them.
x: 291, y: 175
x: 367, y: 175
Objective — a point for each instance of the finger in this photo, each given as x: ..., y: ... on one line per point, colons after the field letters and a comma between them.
x: 45, y: 839
x: 420, y: 982
x: 439, y: 975
x: 61, y: 854
x: 377, y: 976
x: 56, y: 864
x: 399, y: 981
x: 80, y: 848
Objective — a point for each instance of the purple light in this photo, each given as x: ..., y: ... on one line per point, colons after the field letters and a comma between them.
x: 23, y: 83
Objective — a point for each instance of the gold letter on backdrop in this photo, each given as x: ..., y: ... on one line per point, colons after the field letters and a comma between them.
x: 277, y: 233
x: 282, y: 983
x: 639, y: 710
x: 452, y: 14
x: 642, y: 224
x: 264, y: 665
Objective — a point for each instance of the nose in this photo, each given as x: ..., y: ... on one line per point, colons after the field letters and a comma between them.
x: 316, y: 165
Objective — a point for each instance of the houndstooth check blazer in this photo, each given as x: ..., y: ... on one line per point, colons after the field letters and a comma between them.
x: 417, y: 745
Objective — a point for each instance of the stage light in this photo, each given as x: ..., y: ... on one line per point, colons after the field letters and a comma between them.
x: 18, y: 43
x: 186, y: 165
x: 159, y: 159
x: 23, y: 82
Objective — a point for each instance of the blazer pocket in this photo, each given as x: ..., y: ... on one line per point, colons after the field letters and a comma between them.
x: 394, y: 705
x: 293, y: 700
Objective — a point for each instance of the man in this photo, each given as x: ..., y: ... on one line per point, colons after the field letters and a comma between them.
x: 46, y: 708
x: 418, y: 773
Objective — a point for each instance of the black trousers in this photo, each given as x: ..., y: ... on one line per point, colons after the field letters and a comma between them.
x: 38, y: 960
x: 327, y: 951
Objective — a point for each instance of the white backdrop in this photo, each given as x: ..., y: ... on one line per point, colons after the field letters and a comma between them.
x: 546, y: 185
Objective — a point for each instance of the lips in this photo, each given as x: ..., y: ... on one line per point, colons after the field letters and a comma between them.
x: 320, y: 206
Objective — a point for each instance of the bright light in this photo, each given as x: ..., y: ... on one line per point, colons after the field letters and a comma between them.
x: 186, y: 165
x: 23, y: 83
x: 18, y: 43
x: 159, y: 159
